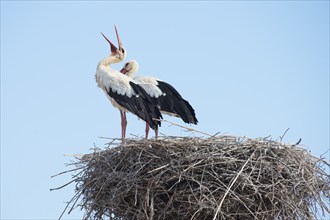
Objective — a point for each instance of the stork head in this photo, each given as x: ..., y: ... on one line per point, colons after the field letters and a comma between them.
x: 130, y: 68
x: 120, y: 53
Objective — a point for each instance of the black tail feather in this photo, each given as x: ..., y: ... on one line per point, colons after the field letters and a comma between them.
x: 173, y: 102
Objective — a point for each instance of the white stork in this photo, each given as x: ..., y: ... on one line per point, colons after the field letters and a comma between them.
x: 123, y: 92
x: 163, y: 94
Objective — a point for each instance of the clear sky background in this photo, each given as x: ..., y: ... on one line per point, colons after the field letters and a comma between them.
x: 248, y: 68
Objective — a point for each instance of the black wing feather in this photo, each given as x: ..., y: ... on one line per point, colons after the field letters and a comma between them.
x: 173, y: 102
x: 139, y: 104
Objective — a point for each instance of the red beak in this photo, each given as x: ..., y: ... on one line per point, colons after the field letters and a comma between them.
x: 119, y: 42
x: 123, y: 70
x: 112, y: 46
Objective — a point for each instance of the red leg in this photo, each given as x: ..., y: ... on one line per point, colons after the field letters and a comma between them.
x: 147, y: 130
x: 123, y: 126
x: 156, y: 132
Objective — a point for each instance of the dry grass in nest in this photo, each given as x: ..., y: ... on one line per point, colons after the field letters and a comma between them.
x: 222, y: 177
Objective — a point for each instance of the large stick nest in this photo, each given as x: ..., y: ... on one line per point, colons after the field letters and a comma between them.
x: 221, y: 177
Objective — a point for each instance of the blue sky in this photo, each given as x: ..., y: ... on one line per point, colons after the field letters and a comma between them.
x: 248, y: 68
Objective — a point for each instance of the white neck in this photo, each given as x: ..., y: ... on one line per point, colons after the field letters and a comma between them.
x: 133, y: 70
x: 105, y: 63
x: 103, y: 69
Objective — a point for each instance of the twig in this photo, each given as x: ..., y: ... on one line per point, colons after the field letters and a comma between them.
x: 231, y: 185
x: 67, y: 205
x: 219, y: 132
x: 297, y: 143
x: 63, y: 185
x: 68, y: 171
x: 74, y: 155
x: 159, y: 168
x: 189, y: 129
x: 281, y: 138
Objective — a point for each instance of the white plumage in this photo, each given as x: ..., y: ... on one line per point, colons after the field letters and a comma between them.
x: 123, y: 92
x: 150, y: 85
x: 115, y: 81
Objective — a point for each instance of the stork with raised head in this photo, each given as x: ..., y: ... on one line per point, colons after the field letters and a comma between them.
x: 163, y: 94
x: 123, y: 92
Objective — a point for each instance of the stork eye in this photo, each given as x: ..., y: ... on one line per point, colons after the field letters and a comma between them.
x: 122, y: 50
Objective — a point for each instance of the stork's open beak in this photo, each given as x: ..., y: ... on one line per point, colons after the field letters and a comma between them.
x: 112, y: 46
x: 119, y: 42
